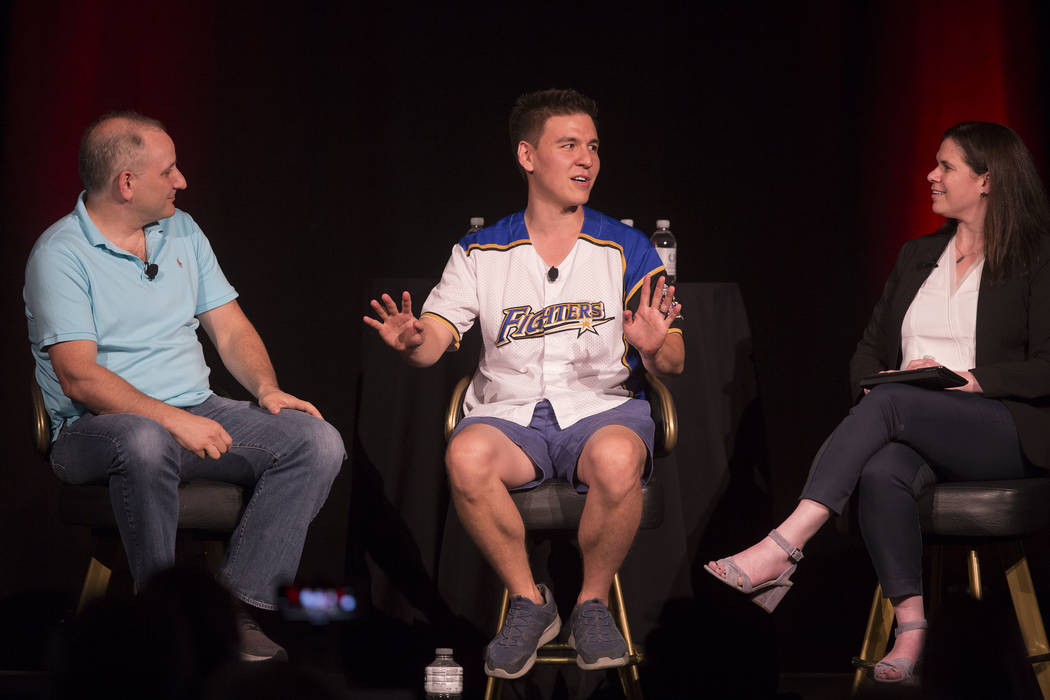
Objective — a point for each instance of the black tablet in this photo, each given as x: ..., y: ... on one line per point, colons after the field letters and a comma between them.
x: 925, y: 377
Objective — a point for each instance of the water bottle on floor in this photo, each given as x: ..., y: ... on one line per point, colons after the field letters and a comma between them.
x: 443, y: 678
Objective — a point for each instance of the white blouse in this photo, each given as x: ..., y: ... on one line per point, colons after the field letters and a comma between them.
x: 941, y: 322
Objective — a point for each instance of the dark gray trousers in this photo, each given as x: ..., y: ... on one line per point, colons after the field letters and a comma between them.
x: 894, y: 442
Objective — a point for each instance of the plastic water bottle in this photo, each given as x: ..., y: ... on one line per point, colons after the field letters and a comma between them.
x: 666, y: 248
x: 627, y: 222
x: 443, y: 678
x: 476, y: 224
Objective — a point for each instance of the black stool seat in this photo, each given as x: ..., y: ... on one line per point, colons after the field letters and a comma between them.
x: 555, y: 505
x: 210, y: 509
x: 976, y: 514
x: 990, y: 509
x: 203, y: 505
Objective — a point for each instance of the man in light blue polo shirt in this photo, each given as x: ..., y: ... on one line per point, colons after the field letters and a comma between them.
x: 114, y: 294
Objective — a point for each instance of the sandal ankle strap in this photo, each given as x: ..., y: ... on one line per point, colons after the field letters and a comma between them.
x: 903, y: 627
x: 794, y: 553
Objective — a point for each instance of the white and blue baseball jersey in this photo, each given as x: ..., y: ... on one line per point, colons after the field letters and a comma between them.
x: 560, y: 340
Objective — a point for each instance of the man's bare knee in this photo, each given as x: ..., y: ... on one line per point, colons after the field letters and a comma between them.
x: 613, y: 462
x: 479, y: 455
x: 468, y: 460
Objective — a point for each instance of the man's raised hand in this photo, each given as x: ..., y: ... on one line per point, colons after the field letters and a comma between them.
x: 646, y: 329
x: 400, y: 330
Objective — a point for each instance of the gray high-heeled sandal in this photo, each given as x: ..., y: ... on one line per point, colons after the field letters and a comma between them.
x: 768, y: 594
x: 902, y: 664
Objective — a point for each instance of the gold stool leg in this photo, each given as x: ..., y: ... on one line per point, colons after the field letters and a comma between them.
x: 630, y: 681
x: 95, y: 583
x: 973, y: 571
x: 876, y: 637
x: 494, y: 686
x: 1029, y: 619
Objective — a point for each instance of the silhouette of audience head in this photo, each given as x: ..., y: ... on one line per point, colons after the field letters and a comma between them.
x: 164, y: 643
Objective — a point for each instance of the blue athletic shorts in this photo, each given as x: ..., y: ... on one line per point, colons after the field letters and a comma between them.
x: 555, y: 451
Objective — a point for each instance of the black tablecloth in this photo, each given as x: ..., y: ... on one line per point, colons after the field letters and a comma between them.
x: 421, y: 561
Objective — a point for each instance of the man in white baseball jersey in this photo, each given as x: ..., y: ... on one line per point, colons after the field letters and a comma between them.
x: 569, y: 320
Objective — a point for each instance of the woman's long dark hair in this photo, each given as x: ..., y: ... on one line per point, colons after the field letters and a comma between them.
x: 1018, y: 212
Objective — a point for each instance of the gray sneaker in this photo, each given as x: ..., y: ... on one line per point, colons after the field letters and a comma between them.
x: 256, y: 646
x: 594, y: 636
x: 526, y: 628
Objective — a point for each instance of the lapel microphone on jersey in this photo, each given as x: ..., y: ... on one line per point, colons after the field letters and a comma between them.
x: 552, y: 274
x: 151, y: 271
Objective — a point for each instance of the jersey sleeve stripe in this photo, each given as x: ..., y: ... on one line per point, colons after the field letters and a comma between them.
x: 607, y: 244
x: 655, y: 272
x: 441, y: 319
x: 496, y: 246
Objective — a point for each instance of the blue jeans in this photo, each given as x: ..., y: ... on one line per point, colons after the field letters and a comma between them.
x: 287, y: 461
x: 894, y: 443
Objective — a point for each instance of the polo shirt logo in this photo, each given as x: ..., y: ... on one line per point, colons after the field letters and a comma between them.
x: 521, y: 322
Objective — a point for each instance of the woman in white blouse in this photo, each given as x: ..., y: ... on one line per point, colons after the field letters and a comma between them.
x: 974, y: 297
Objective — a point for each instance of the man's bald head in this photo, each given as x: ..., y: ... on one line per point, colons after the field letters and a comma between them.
x: 112, y: 144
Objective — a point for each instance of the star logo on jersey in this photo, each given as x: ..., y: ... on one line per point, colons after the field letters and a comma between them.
x: 521, y: 322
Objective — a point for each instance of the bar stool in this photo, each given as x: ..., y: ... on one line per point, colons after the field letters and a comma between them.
x: 208, y: 511
x: 976, y: 513
x: 556, y: 505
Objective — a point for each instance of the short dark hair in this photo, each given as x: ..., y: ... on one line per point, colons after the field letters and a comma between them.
x: 532, y: 110
x: 104, y: 153
x: 1018, y: 211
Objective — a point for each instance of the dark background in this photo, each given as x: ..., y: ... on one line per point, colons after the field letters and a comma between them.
x: 326, y: 145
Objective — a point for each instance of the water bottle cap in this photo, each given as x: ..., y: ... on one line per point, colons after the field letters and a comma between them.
x: 663, y: 223
x: 442, y: 651
x: 477, y: 221
x: 627, y: 222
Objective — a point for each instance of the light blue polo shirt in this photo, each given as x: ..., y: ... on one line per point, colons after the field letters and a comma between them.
x: 79, y: 286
